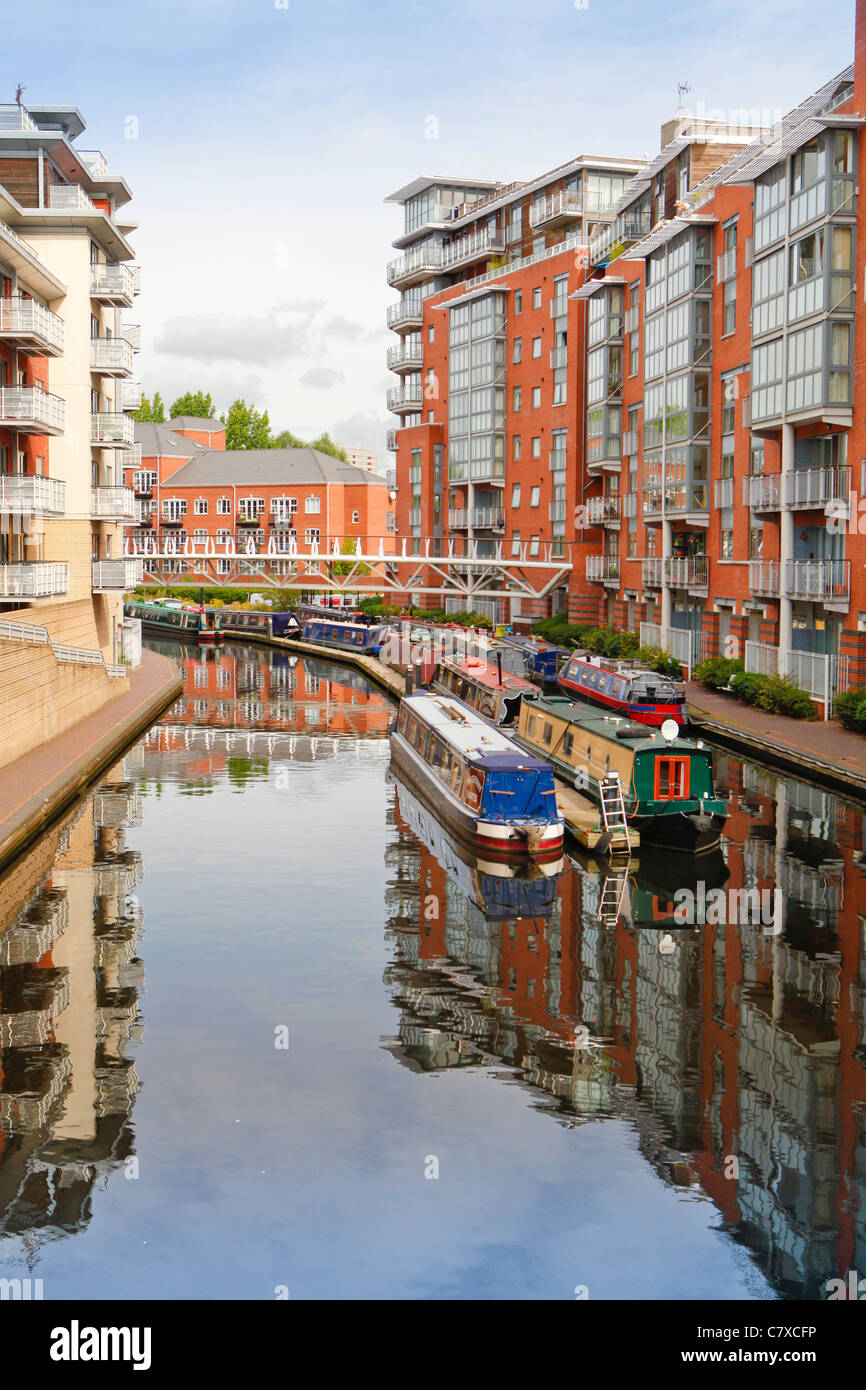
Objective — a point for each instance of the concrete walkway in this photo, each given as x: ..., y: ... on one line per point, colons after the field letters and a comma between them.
x: 36, y: 787
x: 822, y: 752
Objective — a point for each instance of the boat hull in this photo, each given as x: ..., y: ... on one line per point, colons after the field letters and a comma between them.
x: 498, y: 840
x: 651, y: 715
x: 681, y: 831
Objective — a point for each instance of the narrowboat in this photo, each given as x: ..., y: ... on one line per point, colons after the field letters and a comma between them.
x: 190, y: 624
x: 492, y: 795
x: 539, y: 660
x: 261, y: 621
x: 667, y: 781
x: 352, y: 637
x: 492, y: 693
x: 635, y: 692
x: 503, y: 890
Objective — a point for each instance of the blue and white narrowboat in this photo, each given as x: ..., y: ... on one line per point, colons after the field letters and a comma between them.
x: 494, y: 796
x: 633, y: 692
x: 347, y: 637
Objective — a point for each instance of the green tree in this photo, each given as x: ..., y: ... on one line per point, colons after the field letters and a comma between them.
x: 151, y: 410
x: 286, y: 440
x: 198, y: 403
x: 246, y: 427
x: 326, y: 445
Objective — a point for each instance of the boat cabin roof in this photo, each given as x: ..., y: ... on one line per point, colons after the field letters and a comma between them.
x: 620, y: 668
x: 605, y: 725
x: 486, y: 674
x: 469, y: 733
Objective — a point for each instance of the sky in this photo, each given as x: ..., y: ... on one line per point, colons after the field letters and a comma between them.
x: 260, y: 138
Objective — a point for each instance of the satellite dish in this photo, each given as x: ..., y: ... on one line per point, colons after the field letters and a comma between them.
x: 670, y: 730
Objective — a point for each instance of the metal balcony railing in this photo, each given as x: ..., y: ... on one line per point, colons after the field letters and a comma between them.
x: 414, y: 516
x: 472, y: 247
x: 818, y: 579
x: 113, y: 504
x: 557, y: 460
x: 409, y: 312
x: 111, y: 575
x: 602, y: 509
x: 804, y: 488
x: 557, y: 207
x: 602, y: 569
x: 130, y: 395
x: 113, y: 284
x: 130, y: 457
x: 29, y: 495
x: 27, y: 322
x: 418, y: 263
x: 687, y: 571
x: 403, y: 357
x: 132, y: 333
x: 111, y: 356
x: 764, y: 577
x: 629, y: 443
x: 724, y: 492
x: 559, y: 356
x: 651, y: 572
x: 34, y: 581
x: 404, y: 398
x: 726, y: 265
x: 112, y: 430
x: 762, y: 493
x: 30, y: 409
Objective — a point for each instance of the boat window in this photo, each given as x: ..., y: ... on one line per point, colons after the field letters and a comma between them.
x: 547, y: 733
x: 402, y: 720
x: 671, y: 779
x: 457, y: 776
x: 589, y: 752
x: 530, y: 725
x: 568, y: 745
x: 607, y: 764
x: 436, y: 752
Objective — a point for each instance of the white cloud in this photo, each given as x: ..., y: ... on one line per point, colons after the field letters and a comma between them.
x: 209, y: 337
x: 322, y: 377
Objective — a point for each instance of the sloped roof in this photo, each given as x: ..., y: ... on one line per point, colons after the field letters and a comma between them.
x: 163, y: 439
x: 195, y: 422
x: 251, y: 467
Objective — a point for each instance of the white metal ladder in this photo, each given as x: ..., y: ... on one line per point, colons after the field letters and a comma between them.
x: 612, y: 894
x: 613, y: 813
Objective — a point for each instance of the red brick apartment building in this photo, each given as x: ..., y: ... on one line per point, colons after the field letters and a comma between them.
x: 195, y: 498
x: 649, y: 371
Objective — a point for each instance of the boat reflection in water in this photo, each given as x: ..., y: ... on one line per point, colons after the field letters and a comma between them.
x: 500, y: 889
x: 719, y: 1041
x: 69, y: 983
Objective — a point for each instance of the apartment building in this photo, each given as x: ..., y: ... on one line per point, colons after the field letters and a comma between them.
x: 66, y: 390
x: 656, y: 390
x: 195, y: 501
x: 362, y: 458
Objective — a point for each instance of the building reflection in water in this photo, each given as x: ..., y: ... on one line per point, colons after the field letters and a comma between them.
x: 243, y: 706
x: 730, y: 1042
x: 69, y: 984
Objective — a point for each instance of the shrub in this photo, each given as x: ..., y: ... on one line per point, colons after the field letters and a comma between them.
x: 775, y: 694
x: 717, y: 672
x: 660, y: 662
x: 747, y: 686
x: 851, y: 710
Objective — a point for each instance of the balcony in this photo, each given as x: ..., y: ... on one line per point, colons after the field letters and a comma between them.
x: 414, y: 516
x: 391, y: 441
x: 416, y: 266
x: 409, y: 313
x: 602, y: 511
x: 32, y: 410
x: 132, y: 333
x: 405, y: 358
x: 130, y: 395
x: 29, y: 495
x: 603, y: 569
x: 762, y: 493
x: 559, y: 306
x: 764, y: 578
x: 130, y: 458
x: 651, y: 572
x: 70, y: 197
x: 473, y: 247
x: 724, y: 492
x: 403, y: 399
x: 111, y: 576
x: 624, y: 231
x: 629, y: 443
x: 557, y: 458
x: 112, y: 431
x: 687, y: 572
x: 818, y: 580
x: 111, y: 357
x: 33, y: 581
x: 559, y: 356
x: 251, y: 519
x: 29, y: 326
x: 807, y: 488
x: 391, y: 479
x: 479, y: 518
x: 556, y: 210
x: 113, y: 284
x: 113, y: 504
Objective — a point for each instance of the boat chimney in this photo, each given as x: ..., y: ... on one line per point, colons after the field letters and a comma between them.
x: 499, y: 665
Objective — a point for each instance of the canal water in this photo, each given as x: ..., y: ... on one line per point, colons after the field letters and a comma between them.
x: 266, y: 1033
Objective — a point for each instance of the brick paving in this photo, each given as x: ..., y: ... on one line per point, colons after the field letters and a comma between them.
x: 36, y: 785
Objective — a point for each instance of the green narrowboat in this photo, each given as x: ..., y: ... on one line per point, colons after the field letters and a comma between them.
x: 667, y: 781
